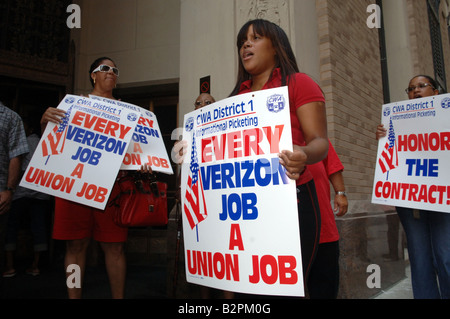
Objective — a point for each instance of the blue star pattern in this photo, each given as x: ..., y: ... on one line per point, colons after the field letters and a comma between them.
x: 194, y: 162
x: 65, y: 121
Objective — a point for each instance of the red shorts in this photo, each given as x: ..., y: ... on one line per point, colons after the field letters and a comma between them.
x: 77, y: 221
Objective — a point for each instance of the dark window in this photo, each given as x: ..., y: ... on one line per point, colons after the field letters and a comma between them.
x: 436, y: 43
x: 35, y: 27
x: 383, y: 57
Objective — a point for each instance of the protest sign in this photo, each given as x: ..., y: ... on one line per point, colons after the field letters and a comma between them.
x: 240, y: 216
x: 79, y: 159
x: 147, y: 144
x: 412, y: 163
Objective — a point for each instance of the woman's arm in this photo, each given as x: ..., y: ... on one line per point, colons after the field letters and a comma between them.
x: 313, y: 120
x: 312, y: 117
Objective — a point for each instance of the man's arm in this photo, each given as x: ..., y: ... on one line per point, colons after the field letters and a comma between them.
x: 14, y: 172
x: 340, y: 198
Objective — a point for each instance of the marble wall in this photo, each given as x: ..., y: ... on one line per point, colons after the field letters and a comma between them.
x: 370, y: 239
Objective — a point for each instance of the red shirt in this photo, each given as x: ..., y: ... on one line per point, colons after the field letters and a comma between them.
x: 321, y: 172
x: 302, y: 90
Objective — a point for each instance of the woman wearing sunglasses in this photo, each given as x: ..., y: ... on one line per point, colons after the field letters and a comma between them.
x: 76, y: 223
x: 103, y: 75
x: 427, y: 232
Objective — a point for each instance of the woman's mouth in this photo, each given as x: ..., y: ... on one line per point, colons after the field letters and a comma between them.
x: 247, y: 55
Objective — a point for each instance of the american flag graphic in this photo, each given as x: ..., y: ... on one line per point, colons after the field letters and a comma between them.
x: 53, y: 144
x: 194, y: 205
x: 389, y: 156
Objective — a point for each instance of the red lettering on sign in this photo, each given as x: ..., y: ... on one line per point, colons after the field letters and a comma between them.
x: 145, y: 122
x: 100, y: 125
x: 424, y: 142
x: 272, y: 270
x: 216, y: 265
x: 236, y: 237
x: 433, y: 194
x: 241, y: 143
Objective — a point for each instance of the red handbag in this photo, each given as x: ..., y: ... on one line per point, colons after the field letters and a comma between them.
x: 138, y: 200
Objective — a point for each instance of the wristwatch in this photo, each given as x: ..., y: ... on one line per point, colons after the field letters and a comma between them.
x: 12, y: 190
x: 341, y: 193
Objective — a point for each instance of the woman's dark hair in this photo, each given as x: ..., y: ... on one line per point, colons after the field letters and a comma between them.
x: 430, y: 79
x: 284, y: 54
x: 95, y: 64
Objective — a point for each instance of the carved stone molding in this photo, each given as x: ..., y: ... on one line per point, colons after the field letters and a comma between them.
x: 276, y: 11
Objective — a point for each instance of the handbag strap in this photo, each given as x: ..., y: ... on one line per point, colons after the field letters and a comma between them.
x: 138, y: 179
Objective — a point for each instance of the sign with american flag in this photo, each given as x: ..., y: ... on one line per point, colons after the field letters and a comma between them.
x: 239, y: 209
x: 53, y: 142
x: 194, y: 204
x: 79, y: 158
x: 411, y: 167
x: 389, y: 156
